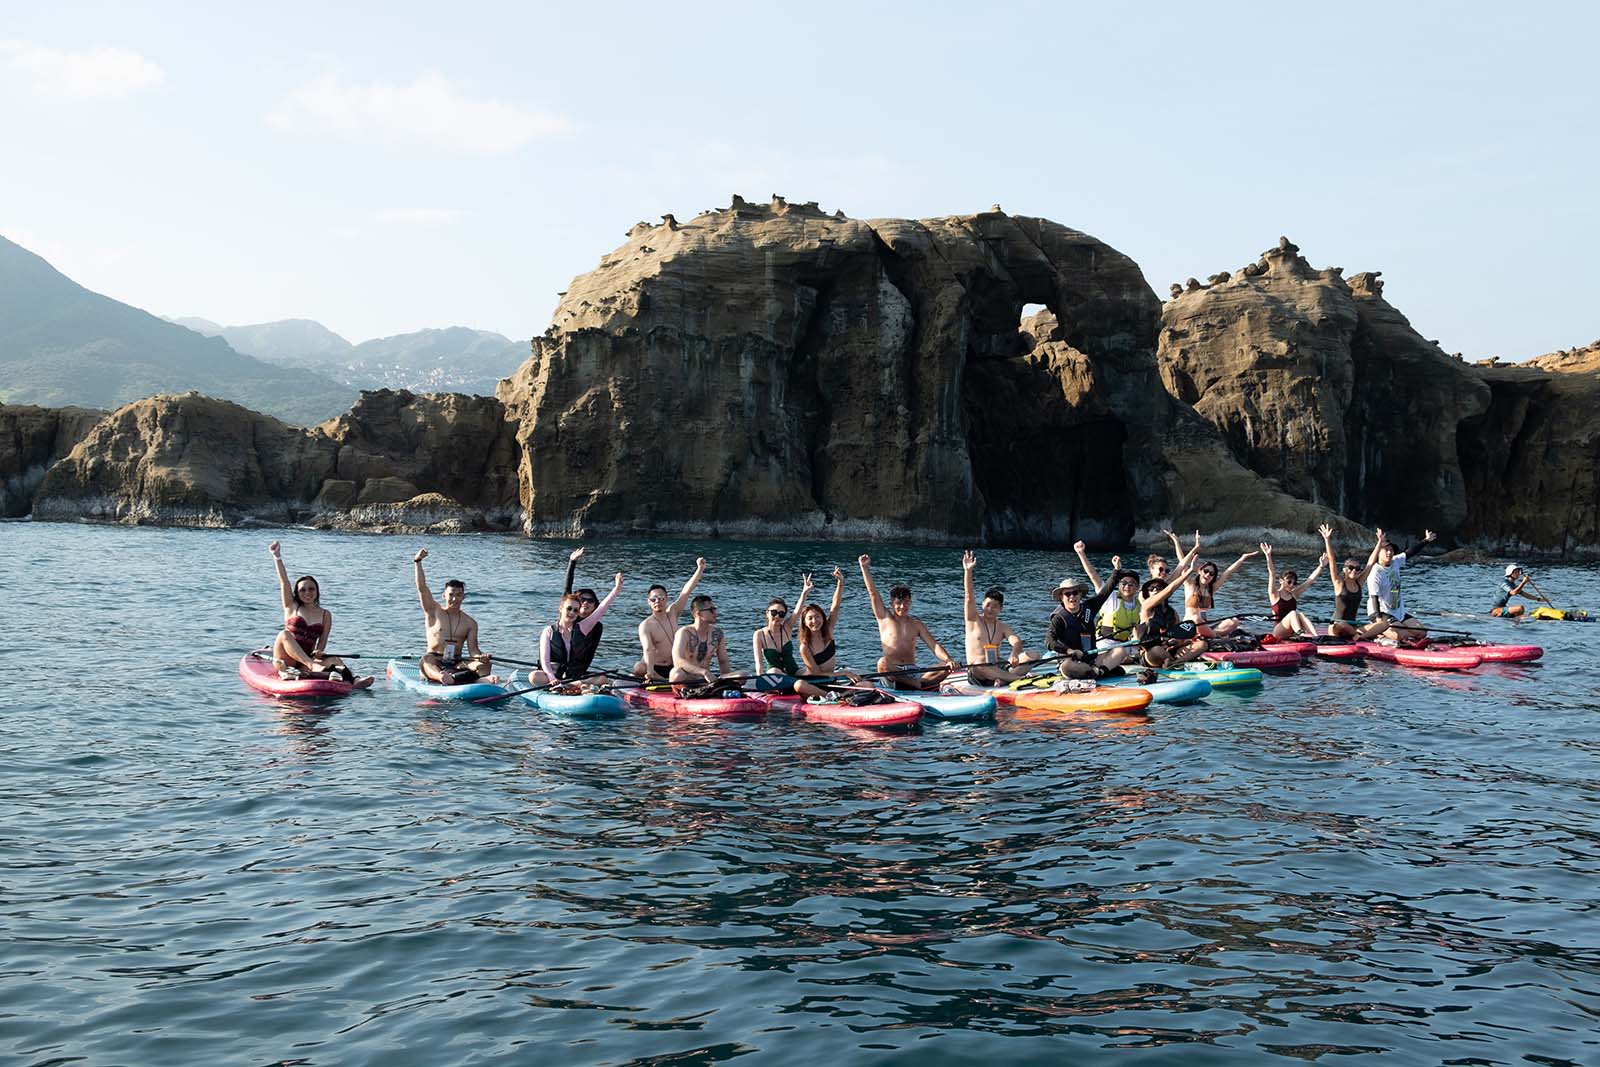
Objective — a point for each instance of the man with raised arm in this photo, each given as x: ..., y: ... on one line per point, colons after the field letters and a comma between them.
x: 1385, y: 601
x: 453, y: 656
x: 658, y: 632
x: 697, y: 644
x: 985, y: 634
x: 898, y: 633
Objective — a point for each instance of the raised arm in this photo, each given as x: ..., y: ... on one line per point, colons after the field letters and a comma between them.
x: 1427, y: 536
x: 424, y: 594
x: 588, y: 625
x: 873, y: 598
x: 676, y: 608
x: 1156, y: 599
x: 1300, y: 590
x: 806, y: 585
x: 1222, y: 578
x: 838, y: 598
x: 1272, y: 575
x: 1088, y: 568
x: 285, y: 590
x: 1372, y: 558
x: 969, y: 604
x: 572, y: 569
x: 1327, y: 557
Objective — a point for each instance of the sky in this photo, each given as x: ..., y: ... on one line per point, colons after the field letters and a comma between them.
x: 383, y: 168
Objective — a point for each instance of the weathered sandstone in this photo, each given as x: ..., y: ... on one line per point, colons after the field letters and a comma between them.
x: 31, y: 439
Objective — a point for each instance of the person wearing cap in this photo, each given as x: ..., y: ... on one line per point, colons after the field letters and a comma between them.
x: 1070, y: 632
x: 1348, y: 579
x: 1516, y: 578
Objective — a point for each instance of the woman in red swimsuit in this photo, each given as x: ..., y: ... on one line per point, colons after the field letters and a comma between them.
x: 298, y: 650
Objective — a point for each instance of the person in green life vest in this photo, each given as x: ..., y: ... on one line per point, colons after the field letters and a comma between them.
x: 773, y: 645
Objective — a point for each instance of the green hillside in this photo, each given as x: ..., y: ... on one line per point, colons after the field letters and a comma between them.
x: 62, y: 344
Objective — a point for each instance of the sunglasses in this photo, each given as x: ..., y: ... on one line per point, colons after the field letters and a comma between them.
x: 656, y: 598
x: 713, y: 607
x: 777, y: 614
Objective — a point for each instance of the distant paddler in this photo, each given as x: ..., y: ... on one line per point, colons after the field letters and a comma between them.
x: 658, y: 631
x: 298, y: 651
x: 1516, y: 581
x: 453, y: 656
x: 1283, y: 594
x: 898, y: 633
x: 1348, y: 579
x: 777, y: 671
x: 986, y: 633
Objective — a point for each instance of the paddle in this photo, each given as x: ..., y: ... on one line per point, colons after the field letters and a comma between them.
x: 1546, y: 599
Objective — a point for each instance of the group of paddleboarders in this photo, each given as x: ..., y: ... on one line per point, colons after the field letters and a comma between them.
x: 1096, y: 629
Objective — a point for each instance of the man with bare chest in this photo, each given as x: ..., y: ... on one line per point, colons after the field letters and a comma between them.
x: 658, y: 632
x: 898, y: 632
x: 986, y: 633
x: 697, y: 645
x: 453, y: 657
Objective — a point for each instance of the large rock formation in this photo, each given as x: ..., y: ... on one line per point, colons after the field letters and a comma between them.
x: 1322, y: 386
x: 769, y: 369
x: 1530, y: 460
x: 31, y: 439
x: 396, y: 461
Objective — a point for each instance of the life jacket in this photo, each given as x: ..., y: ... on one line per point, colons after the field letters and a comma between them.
x: 1118, y: 618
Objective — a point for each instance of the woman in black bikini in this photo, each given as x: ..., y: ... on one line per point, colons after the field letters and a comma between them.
x: 1349, y: 587
x: 818, y: 654
x: 297, y: 651
x: 776, y: 670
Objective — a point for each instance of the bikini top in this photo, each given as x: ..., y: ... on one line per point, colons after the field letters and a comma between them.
x: 305, y: 632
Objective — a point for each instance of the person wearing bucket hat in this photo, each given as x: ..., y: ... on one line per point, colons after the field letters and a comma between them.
x: 1070, y: 632
x: 1516, y: 579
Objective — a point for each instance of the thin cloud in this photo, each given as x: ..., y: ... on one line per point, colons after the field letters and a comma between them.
x: 89, y: 74
x: 431, y: 112
x: 421, y: 216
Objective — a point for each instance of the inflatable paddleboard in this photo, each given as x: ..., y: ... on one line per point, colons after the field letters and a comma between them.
x: 1304, y: 648
x: 1345, y: 651
x: 1170, y: 690
x: 666, y: 702
x: 1220, y: 675
x: 877, y: 716
x: 1100, y: 698
x: 577, y: 705
x: 1496, y: 653
x: 1261, y: 657
x: 1426, y: 658
x: 260, y: 675
x: 408, y: 677
x: 950, y: 707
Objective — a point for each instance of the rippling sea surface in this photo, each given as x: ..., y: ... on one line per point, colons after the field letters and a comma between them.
x: 1350, y: 861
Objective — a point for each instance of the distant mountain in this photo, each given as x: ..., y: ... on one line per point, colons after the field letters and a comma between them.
x: 288, y: 342
x: 452, y: 360
x: 61, y: 344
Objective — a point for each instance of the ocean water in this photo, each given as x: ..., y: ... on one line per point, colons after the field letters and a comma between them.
x: 1351, y: 861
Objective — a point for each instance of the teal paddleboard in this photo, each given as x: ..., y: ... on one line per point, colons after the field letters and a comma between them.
x: 408, y: 677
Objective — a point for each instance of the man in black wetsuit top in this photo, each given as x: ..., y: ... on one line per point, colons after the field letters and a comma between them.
x: 1071, y: 631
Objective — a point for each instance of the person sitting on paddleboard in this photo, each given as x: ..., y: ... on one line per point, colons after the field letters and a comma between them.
x: 299, y: 649
x: 818, y: 653
x: 453, y: 656
x: 588, y: 601
x: 1070, y: 631
x: 1200, y: 596
x: 986, y: 633
x: 658, y: 632
x: 777, y: 671
x: 1163, y: 640
x: 1386, y: 603
x: 1283, y: 593
x: 567, y: 645
x: 898, y: 633
x: 1348, y: 580
x: 1516, y: 579
x: 696, y: 645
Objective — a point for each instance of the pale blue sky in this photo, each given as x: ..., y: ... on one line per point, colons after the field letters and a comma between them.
x: 386, y: 167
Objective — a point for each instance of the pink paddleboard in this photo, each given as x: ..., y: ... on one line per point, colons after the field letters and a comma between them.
x: 899, y: 713
x: 261, y: 675
x: 1264, y: 657
x: 1429, y: 658
x: 668, y: 703
x: 1497, y: 653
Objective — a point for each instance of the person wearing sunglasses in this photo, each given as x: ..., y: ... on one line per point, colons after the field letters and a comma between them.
x: 776, y: 669
x: 1200, y: 596
x: 566, y: 646
x: 582, y: 654
x: 697, y: 645
x: 1349, y: 582
x: 657, y: 632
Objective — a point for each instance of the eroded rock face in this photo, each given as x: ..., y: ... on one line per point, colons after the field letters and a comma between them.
x: 395, y: 462
x: 770, y: 369
x: 31, y: 439
x: 1323, y: 387
x: 1530, y: 461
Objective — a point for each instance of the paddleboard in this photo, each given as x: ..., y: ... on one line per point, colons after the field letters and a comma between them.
x: 1426, y: 658
x: 1219, y: 675
x: 666, y: 702
x: 1495, y: 653
x: 1170, y: 690
x: 577, y: 705
x: 1261, y: 657
x: 877, y: 716
x: 261, y: 675
x: 1100, y: 698
x: 950, y: 707
x: 408, y: 677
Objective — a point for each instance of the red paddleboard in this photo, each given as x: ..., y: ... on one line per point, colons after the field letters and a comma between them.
x: 898, y: 713
x: 1429, y: 658
x: 1339, y: 651
x: 669, y: 703
x: 260, y: 674
x: 1264, y: 657
x: 1497, y: 653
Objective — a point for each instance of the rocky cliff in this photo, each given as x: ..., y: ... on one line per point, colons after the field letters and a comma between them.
x: 396, y: 461
x: 1324, y: 387
x: 31, y: 439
